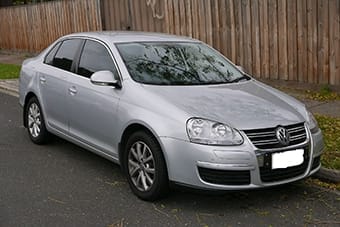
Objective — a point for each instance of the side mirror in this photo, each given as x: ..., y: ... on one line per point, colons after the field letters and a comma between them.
x: 105, y: 78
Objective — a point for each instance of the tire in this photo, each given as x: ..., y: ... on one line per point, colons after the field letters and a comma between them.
x: 145, y: 167
x: 35, y: 122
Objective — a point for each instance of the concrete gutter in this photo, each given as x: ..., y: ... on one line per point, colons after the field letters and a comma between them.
x: 10, y: 87
x: 329, y: 175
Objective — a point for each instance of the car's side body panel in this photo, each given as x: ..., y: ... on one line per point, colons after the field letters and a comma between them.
x: 53, y: 85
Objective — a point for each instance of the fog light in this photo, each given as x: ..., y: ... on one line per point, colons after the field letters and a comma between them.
x: 260, y: 160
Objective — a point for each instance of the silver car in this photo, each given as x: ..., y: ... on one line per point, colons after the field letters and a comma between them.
x: 167, y: 109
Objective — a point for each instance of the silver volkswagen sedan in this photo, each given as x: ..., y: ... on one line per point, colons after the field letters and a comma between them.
x: 167, y: 109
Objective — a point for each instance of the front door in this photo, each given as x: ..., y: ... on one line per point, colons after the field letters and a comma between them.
x: 93, y: 108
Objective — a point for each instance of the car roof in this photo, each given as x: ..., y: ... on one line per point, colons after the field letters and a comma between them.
x: 130, y: 36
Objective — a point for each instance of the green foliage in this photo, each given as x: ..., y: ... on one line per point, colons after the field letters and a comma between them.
x: 330, y: 127
x: 328, y: 185
x: 8, y: 71
x: 325, y: 94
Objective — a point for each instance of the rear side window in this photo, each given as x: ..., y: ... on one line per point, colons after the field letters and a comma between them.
x: 95, y: 57
x: 66, y: 54
x: 50, y: 56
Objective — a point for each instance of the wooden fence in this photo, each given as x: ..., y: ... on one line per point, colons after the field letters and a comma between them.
x: 34, y: 27
x: 295, y: 40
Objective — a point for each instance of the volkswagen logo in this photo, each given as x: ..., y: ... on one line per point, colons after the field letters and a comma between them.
x: 282, y: 136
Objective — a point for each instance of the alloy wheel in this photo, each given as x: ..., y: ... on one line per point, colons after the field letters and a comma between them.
x: 34, y: 120
x: 141, y: 166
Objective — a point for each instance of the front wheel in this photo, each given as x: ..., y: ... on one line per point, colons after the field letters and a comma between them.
x: 145, y: 167
x: 35, y: 122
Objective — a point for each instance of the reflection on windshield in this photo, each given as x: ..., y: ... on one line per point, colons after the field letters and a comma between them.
x: 177, y: 64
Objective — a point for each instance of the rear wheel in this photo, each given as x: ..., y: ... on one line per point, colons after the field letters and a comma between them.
x: 35, y: 122
x: 145, y: 166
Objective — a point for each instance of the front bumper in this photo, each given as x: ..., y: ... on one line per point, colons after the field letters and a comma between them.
x: 234, y: 167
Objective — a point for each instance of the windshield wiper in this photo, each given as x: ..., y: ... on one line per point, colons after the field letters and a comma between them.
x: 243, y: 77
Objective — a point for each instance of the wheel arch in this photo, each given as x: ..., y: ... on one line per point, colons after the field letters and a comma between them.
x: 27, y: 98
x: 129, y: 130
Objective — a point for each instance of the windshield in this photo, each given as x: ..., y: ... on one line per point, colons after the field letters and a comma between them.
x: 177, y: 64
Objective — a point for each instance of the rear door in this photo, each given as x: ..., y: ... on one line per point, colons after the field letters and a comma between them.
x: 92, y: 107
x: 53, y: 82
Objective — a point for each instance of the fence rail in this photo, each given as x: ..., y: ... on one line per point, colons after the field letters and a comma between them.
x: 34, y: 27
x: 295, y: 40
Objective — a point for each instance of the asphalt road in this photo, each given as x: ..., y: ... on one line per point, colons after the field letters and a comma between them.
x: 61, y: 184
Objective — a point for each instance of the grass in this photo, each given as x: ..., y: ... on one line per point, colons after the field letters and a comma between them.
x: 330, y: 127
x: 9, y: 71
x: 325, y: 94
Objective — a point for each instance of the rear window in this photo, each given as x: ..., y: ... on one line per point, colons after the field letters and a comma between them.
x: 64, y: 55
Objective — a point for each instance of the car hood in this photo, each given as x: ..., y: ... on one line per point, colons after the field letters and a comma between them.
x: 244, y: 105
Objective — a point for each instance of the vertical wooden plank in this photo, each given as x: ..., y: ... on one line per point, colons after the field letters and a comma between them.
x: 116, y: 15
x: 232, y: 31
x: 166, y: 17
x: 182, y: 16
x: 227, y: 35
x: 247, y: 51
x: 195, y: 20
x: 137, y: 23
x: 158, y: 22
x: 171, y: 20
x: 202, y: 25
x: 273, y: 49
x: 121, y: 16
x: 312, y: 25
x: 224, y: 42
x: 215, y: 24
x: 282, y: 39
x: 138, y: 16
x: 98, y: 16
x: 292, y: 40
x: 239, y: 32
x: 323, y: 32
x: 255, y: 39
x: 264, y: 45
x: 188, y: 18
x: 208, y: 22
x: 176, y: 17
x: 334, y: 41
x: 108, y: 15
x: 301, y: 40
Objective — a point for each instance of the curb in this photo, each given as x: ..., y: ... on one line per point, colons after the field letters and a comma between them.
x: 9, y: 89
x: 329, y: 175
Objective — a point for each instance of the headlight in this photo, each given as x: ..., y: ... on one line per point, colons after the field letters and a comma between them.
x: 312, y: 123
x: 204, y: 131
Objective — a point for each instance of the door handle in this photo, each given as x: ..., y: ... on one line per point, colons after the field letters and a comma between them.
x: 42, y: 79
x: 72, y: 90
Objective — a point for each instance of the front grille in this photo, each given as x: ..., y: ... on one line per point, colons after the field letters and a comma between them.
x: 266, y: 138
x: 316, y: 162
x: 270, y: 175
x: 225, y: 177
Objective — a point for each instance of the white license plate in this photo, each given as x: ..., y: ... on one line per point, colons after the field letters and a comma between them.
x: 287, y: 159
